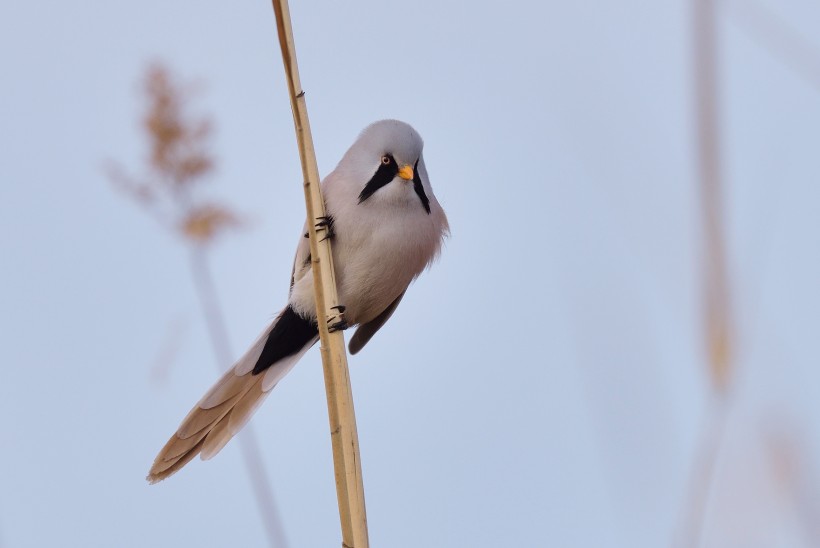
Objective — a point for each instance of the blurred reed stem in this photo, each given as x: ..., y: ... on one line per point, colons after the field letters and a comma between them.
x: 260, y: 483
x: 717, y: 334
x: 775, y: 34
x: 179, y: 163
x: 344, y: 437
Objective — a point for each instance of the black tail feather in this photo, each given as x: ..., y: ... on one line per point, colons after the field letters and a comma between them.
x: 289, y: 335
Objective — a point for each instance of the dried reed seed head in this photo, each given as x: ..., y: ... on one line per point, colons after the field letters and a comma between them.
x: 179, y: 159
x: 178, y: 145
x: 205, y: 222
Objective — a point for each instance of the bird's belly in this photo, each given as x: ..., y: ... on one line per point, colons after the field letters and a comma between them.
x: 376, y: 268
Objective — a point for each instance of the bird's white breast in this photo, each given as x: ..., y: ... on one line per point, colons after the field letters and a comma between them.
x: 378, y: 249
x: 380, y: 253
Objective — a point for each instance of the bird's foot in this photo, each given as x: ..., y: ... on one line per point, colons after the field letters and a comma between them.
x: 338, y: 321
x: 325, y: 223
x: 340, y: 325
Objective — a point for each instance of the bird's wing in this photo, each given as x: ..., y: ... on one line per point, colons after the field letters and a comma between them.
x: 366, y: 331
x: 301, y: 263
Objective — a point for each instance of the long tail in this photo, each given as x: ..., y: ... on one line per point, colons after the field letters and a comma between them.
x: 228, y: 405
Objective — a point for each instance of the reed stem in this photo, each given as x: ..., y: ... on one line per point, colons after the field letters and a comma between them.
x: 345, y: 439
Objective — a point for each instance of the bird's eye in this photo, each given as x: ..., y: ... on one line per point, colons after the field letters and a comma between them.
x: 386, y: 160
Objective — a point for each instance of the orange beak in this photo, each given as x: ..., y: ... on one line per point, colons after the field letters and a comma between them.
x: 406, y: 172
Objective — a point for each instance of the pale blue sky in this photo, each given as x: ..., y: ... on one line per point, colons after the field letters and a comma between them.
x: 515, y: 399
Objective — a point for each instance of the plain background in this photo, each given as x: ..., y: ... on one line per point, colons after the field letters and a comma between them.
x: 544, y: 384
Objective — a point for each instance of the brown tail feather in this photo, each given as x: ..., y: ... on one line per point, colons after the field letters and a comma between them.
x: 228, y: 405
x: 208, y: 430
x: 159, y: 473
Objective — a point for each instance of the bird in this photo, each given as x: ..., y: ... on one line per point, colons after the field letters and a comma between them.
x: 386, y: 226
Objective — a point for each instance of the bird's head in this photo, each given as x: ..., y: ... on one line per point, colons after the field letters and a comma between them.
x: 386, y: 161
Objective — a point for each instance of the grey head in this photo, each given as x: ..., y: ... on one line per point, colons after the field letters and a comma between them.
x: 386, y: 160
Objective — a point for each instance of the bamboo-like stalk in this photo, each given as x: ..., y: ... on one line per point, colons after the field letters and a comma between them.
x: 345, y: 440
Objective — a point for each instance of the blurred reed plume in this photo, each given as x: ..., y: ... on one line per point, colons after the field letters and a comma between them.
x: 179, y: 163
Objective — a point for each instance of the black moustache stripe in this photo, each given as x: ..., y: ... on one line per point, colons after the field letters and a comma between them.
x: 419, y: 188
x: 383, y: 176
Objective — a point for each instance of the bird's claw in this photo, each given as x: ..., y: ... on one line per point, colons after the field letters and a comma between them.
x: 338, y: 321
x: 340, y: 325
x: 325, y: 223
